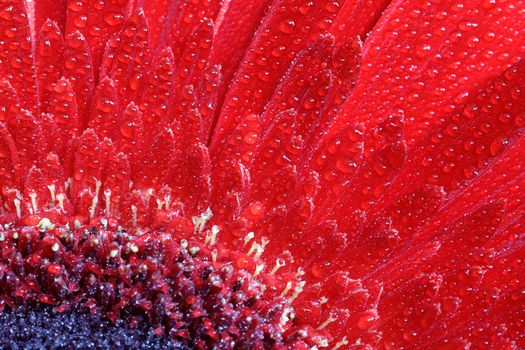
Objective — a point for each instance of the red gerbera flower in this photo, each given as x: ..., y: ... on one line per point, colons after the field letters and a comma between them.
x: 255, y: 174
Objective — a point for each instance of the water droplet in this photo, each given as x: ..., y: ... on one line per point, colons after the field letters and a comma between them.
x: 287, y: 26
x: 367, y: 319
x: 498, y: 145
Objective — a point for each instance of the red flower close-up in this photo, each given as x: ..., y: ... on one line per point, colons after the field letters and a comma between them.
x: 262, y: 174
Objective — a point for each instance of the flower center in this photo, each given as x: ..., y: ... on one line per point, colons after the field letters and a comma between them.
x: 41, y: 327
x: 194, y: 292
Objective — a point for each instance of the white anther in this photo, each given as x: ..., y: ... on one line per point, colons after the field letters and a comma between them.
x: 249, y: 236
x: 325, y: 324
x: 55, y: 247
x: 32, y: 195
x: 167, y: 202
x: 16, y: 201
x: 200, y: 221
x: 52, y: 190
x: 134, y: 215
x: 258, y: 269
x: 211, y: 236
x: 45, y: 225
x: 323, y: 300
x: 134, y: 248
x: 323, y: 343
x: 104, y: 223
x: 299, y: 287
x: 77, y: 224
x: 184, y: 243
x: 264, y: 242
x: 98, y: 184
x: 340, y: 344
x: 68, y: 183
x: 214, y: 231
x: 214, y: 254
x: 164, y: 203
x: 278, y: 264
x: 2, y: 237
x: 159, y: 204
x: 107, y: 196
x: 94, y: 203
x: 300, y: 272
x: 60, y: 198
x: 287, y: 288
x: 252, y: 248
x: 258, y: 251
x: 286, y: 316
x: 113, y: 253
x: 194, y: 250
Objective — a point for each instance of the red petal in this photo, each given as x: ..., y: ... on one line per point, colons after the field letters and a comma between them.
x: 8, y: 160
x: 384, y: 153
x: 63, y: 107
x: 129, y: 138
x: 63, y: 120
x: 104, y: 115
x: 277, y: 148
x: 78, y: 69
x: 236, y: 23
x: 193, y: 59
x: 182, y: 19
x: 48, y: 126
x: 446, y: 295
x: 155, y: 13
x: 403, y: 242
x: 191, y: 180
x: 28, y: 138
x: 54, y: 10
x: 116, y: 182
x: 208, y: 98
x: 9, y: 103
x: 228, y: 197
x: 425, y: 58
x: 87, y: 163
x: 287, y: 28
x: 49, y: 61
x: 156, y: 96
x: 337, y: 162
x: 35, y: 187
x: 196, y: 83
x: 156, y: 160
x: 16, y: 54
x: 304, y: 85
x: 357, y: 18
x: 127, y: 57
x: 54, y: 172
x: 491, y: 185
x: 239, y: 150
x: 345, y: 67
x: 97, y: 22
x: 474, y: 136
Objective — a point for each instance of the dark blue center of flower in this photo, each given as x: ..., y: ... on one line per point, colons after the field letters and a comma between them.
x: 40, y: 327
